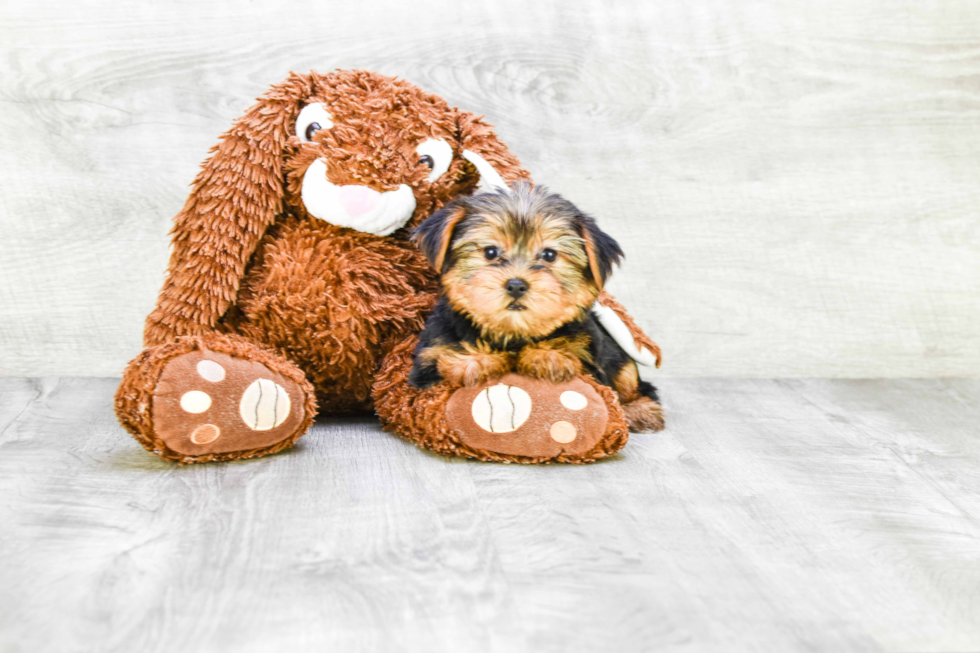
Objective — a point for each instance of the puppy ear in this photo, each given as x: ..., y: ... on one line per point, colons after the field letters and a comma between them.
x: 435, y: 234
x: 236, y: 196
x: 601, y: 248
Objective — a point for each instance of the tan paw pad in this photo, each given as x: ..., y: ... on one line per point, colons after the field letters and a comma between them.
x: 562, y: 431
x: 195, y: 401
x: 573, y: 400
x: 211, y: 371
x: 205, y: 433
x: 501, y: 408
x: 264, y: 405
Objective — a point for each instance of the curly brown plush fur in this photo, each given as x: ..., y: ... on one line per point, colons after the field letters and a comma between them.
x: 255, y: 276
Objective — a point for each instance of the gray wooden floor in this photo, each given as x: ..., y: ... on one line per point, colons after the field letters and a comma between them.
x: 771, y: 516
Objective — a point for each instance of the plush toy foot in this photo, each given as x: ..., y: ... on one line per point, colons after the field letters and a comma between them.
x: 214, y: 398
x: 514, y: 419
x: 522, y: 416
x: 644, y: 415
x: 211, y: 403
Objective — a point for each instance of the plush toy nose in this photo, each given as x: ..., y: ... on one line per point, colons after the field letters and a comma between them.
x: 358, y: 200
x: 516, y: 288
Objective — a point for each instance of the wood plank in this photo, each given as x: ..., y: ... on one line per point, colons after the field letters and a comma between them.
x: 771, y: 515
x: 794, y: 183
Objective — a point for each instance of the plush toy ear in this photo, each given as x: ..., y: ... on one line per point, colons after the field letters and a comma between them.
x: 435, y: 234
x: 481, y: 147
x: 601, y: 248
x: 236, y: 196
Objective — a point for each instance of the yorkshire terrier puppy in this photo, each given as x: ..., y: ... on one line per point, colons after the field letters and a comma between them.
x: 520, y: 272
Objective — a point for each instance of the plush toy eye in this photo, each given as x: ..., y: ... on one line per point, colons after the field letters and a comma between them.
x: 549, y: 255
x: 491, y: 252
x: 437, y: 155
x: 311, y: 119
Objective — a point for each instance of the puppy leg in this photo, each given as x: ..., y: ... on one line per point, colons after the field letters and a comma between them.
x: 639, y: 399
x: 557, y: 360
x: 469, y: 365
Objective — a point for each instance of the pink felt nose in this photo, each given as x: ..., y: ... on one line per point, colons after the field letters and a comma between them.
x: 358, y: 200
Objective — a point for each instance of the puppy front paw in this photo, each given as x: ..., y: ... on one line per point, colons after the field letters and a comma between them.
x: 473, y: 368
x: 552, y: 365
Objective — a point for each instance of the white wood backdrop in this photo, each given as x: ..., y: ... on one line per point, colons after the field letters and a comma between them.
x: 795, y: 183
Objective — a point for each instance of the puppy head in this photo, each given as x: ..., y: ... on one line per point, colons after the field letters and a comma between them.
x: 518, y: 263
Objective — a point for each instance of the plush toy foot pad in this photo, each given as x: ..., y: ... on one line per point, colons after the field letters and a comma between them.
x: 207, y: 402
x: 521, y: 416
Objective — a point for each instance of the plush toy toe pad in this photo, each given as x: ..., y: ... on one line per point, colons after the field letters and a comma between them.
x: 207, y: 402
x: 522, y: 416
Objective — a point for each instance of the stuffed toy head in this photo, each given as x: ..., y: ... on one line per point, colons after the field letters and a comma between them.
x: 372, y: 153
x: 353, y: 149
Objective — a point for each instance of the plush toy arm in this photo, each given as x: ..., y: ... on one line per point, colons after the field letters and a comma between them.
x: 235, y: 197
x: 617, y: 322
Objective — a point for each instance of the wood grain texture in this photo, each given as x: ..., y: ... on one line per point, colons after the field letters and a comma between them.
x: 795, y: 184
x: 806, y: 515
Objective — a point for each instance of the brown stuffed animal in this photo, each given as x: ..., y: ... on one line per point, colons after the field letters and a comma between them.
x: 292, y: 283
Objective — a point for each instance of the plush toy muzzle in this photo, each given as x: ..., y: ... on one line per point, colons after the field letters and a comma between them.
x: 354, y: 206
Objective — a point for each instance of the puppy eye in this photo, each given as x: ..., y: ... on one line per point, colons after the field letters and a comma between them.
x: 312, y: 119
x: 491, y: 252
x: 437, y: 154
x: 549, y: 255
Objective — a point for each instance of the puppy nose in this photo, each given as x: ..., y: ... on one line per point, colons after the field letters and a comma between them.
x: 516, y: 288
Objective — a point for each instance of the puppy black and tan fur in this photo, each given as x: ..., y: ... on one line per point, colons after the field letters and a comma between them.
x: 520, y: 272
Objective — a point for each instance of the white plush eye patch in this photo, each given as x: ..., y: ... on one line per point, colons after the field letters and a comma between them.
x: 440, y: 153
x: 312, y: 118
